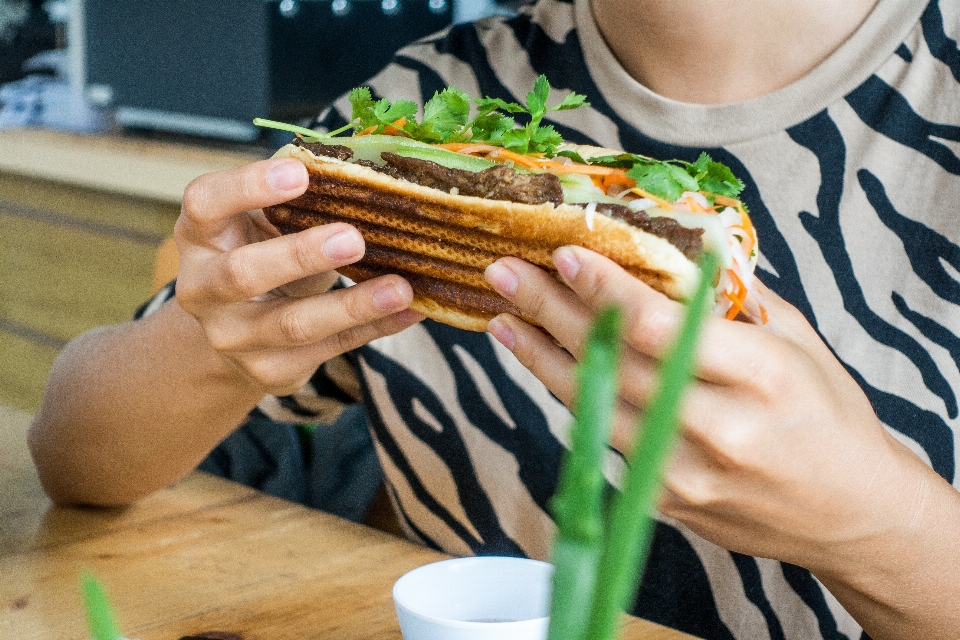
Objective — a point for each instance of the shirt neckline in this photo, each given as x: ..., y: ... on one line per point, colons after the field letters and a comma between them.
x: 695, y: 125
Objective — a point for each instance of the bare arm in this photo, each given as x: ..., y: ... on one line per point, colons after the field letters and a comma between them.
x: 780, y: 456
x: 132, y: 408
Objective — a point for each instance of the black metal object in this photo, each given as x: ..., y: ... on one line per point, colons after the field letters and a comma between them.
x: 187, y: 61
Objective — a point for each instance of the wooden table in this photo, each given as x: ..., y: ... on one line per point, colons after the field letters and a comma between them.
x: 204, y: 555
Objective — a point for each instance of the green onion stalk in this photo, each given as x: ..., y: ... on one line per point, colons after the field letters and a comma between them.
x: 578, y: 503
x: 630, y: 520
x: 100, y: 617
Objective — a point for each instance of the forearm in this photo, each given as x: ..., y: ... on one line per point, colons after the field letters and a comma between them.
x: 904, y: 586
x: 132, y: 408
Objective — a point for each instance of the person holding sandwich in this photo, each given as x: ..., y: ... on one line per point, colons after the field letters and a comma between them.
x: 813, y: 492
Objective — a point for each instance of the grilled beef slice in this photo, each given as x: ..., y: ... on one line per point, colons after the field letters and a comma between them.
x: 688, y: 241
x: 338, y: 151
x: 496, y: 183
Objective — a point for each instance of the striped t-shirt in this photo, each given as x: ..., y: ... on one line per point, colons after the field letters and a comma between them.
x: 852, y: 174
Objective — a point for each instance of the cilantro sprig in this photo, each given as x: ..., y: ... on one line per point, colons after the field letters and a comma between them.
x: 668, y: 179
x: 446, y: 118
x: 534, y: 137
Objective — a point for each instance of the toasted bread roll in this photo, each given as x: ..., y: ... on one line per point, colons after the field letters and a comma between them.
x: 442, y: 242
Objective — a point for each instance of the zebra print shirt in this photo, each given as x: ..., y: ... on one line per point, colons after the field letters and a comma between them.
x: 851, y: 173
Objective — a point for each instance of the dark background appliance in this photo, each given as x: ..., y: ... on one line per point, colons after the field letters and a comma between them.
x: 209, y: 68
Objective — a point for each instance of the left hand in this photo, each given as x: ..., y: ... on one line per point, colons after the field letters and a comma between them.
x: 780, y: 453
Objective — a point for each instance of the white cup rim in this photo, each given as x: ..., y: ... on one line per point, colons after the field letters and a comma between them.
x: 462, y: 624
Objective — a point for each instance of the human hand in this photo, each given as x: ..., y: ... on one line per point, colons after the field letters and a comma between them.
x: 263, y: 299
x: 780, y: 454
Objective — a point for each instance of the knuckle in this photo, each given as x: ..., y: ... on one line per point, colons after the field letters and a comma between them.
x: 537, y: 302
x: 693, y: 490
x: 194, y: 195
x: 732, y: 447
x: 651, y: 327
x: 349, y: 339
x: 265, y: 374
x: 600, y: 280
x: 220, y: 339
x: 292, y: 326
x: 307, y: 258
x: 357, y: 304
x: 768, y: 376
x: 238, y: 274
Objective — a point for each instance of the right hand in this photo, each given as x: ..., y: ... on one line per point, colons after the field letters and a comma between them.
x: 263, y: 299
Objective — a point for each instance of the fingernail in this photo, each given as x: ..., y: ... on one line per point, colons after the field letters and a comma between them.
x: 502, y: 279
x: 388, y: 297
x: 343, y: 246
x: 567, y: 263
x: 287, y: 175
x: 502, y: 332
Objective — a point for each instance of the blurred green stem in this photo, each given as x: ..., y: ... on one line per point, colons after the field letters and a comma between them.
x: 100, y: 617
x: 630, y: 521
x: 578, y: 503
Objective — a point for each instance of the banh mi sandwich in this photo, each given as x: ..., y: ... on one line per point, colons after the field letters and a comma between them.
x: 440, y: 199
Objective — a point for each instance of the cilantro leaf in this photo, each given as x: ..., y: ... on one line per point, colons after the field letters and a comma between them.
x: 573, y: 155
x: 716, y: 177
x: 444, y: 115
x: 545, y: 140
x: 621, y: 160
x: 489, y: 127
x: 663, y: 179
x: 517, y: 140
x: 572, y: 101
x: 387, y: 112
x: 361, y: 102
x: 447, y: 111
x: 497, y: 103
x: 537, y: 99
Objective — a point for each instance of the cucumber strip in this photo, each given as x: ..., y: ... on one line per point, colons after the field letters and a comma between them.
x: 449, y: 159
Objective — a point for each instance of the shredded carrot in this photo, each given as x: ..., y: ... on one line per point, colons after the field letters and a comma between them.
x: 499, y: 154
x: 589, y: 169
x: 491, y: 152
x: 695, y: 206
x: 467, y: 147
x: 728, y: 202
x: 737, y: 299
x: 663, y: 204
x: 611, y: 179
x: 396, y: 128
x: 366, y: 131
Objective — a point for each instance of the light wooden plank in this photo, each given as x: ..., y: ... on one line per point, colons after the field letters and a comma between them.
x: 64, y: 281
x: 24, y: 366
x: 147, y: 216
x: 140, y: 168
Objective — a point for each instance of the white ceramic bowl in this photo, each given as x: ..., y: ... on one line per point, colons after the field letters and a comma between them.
x: 489, y: 598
